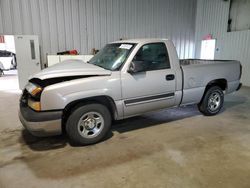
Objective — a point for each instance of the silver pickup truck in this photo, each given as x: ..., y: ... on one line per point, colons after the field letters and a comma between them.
x: 124, y: 79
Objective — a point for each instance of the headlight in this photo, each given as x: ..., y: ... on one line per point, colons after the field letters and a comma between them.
x: 33, y: 89
x: 34, y: 105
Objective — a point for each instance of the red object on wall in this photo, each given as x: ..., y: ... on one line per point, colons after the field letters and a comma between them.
x: 2, y: 39
x: 73, y: 52
x: 208, y: 37
x: 70, y: 52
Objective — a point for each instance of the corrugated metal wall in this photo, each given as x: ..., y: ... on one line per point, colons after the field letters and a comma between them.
x: 87, y: 24
x: 212, y: 17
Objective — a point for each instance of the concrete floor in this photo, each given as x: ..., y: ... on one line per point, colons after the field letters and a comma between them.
x: 171, y: 148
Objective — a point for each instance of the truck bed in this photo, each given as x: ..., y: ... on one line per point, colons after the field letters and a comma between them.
x: 198, y: 73
x: 185, y: 62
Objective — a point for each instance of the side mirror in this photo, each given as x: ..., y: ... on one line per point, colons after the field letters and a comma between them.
x: 136, y: 66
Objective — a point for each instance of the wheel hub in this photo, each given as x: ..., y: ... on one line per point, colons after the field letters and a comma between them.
x: 214, y: 101
x: 90, y: 123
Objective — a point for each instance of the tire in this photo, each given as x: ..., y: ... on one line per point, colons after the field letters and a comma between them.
x: 88, y: 124
x: 212, y: 101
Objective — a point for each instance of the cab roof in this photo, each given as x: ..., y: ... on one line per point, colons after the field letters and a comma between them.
x: 141, y: 40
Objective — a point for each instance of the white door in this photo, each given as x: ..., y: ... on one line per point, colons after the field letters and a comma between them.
x: 208, y: 49
x: 27, y: 56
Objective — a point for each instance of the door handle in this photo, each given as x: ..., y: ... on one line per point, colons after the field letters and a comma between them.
x: 170, y: 77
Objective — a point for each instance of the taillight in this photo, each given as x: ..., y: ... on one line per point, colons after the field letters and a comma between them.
x: 240, y: 71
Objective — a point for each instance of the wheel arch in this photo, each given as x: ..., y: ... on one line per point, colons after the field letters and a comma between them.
x: 102, y: 99
x: 222, y: 83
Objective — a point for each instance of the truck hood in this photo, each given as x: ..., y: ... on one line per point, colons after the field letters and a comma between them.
x: 71, y: 68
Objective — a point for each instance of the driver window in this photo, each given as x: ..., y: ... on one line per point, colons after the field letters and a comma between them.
x: 154, y: 56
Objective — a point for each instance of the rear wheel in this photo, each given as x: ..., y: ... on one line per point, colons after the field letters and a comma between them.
x: 88, y: 124
x: 212, y: 101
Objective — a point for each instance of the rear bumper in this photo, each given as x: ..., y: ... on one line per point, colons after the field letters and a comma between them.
x: 238, y: 88
x: 41, y: 123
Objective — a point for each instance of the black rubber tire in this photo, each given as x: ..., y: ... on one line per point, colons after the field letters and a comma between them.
x: 77, y: 113
x: 203, y: 105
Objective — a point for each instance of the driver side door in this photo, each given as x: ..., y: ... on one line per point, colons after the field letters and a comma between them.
x: 152, y: 88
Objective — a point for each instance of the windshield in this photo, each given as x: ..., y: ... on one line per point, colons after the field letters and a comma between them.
x: 112, y: 56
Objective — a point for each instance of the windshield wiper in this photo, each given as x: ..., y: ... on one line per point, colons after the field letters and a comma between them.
x: 99, y: 66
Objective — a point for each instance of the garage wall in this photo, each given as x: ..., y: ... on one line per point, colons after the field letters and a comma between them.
x: 86, y: 24
x: 212, y: 18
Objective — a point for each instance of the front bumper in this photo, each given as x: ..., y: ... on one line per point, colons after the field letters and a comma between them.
x: 41, y: 123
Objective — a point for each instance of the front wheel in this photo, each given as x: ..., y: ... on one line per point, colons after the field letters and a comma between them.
x: 212, y: 101
x: 88, y: 124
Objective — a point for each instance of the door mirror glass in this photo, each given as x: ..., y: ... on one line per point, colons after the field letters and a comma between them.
x: 136, y: 66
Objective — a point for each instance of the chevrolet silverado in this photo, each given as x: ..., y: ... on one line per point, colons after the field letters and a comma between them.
x: 124, y: 79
